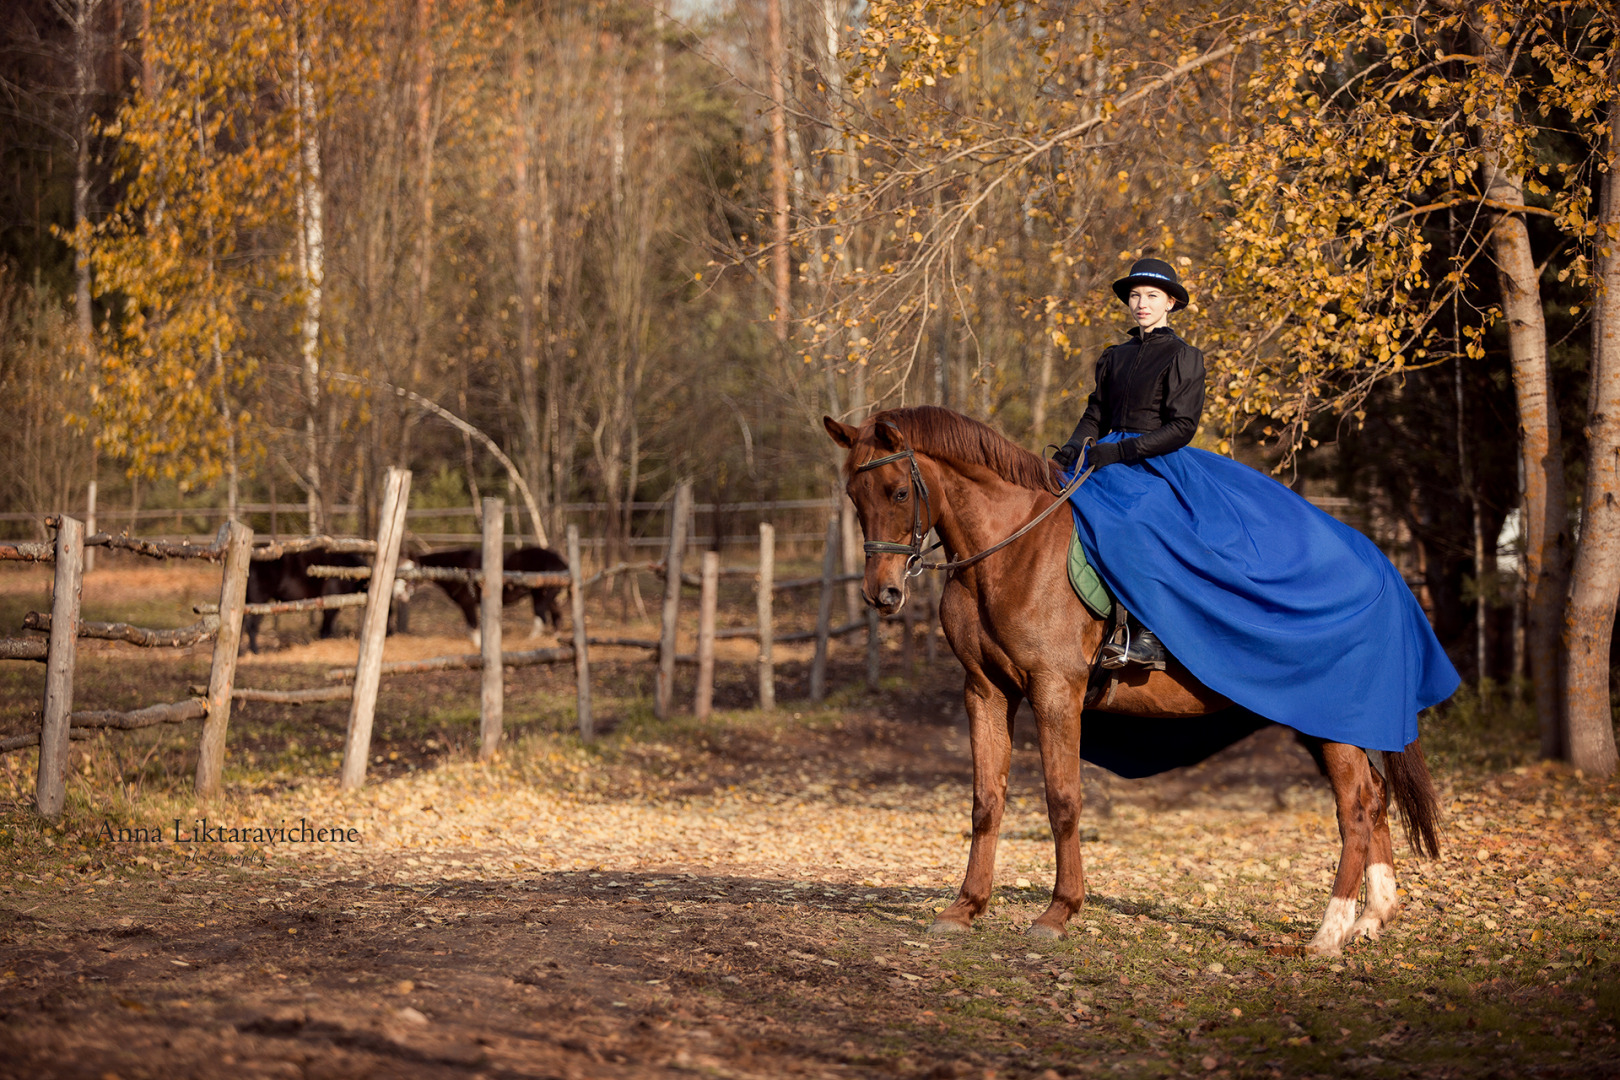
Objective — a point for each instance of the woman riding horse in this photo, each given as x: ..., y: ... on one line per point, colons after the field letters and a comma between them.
x: 1263, y: 597
x: 1265, y: 602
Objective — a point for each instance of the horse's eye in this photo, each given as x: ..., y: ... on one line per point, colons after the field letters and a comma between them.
x: 900, y: 495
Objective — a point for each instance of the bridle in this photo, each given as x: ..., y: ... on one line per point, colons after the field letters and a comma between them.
x: 922, y: 514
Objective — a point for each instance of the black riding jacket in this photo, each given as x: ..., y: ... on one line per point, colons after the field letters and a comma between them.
x: 1152, y: 387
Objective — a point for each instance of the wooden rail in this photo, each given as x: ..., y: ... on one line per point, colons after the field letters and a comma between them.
x: 558, y: 654
x: 283, y: 607
x: 158, y: 549
x: 294, y: 697
x: 85, y: 724
x: 529, y: 579
x: 352, y: 545
x: 27, y: 552
x: 177, y: 638
x: 22, y: 649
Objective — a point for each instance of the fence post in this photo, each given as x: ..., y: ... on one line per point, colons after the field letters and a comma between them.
x: 874, y: 644
x: 679, y: 513
x: 931, y: 624
x: 703, y: 701
x: 50, y: 790
x: 491, y: 703
x: 374, y: 629
x: 829, y: 571
x: 767, y: 583
x: 850, y: 545
x: 222, y: 673
x: 908, y: 617
x: 90, y: 526
x: 582, y: 663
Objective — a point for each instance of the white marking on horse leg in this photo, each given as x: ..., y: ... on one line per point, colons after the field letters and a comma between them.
x: 477, y: 637
x: 1335, y: 929
x: 537, y: 628
x: 1382, y: 902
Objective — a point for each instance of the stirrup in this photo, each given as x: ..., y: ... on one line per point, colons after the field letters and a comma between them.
x: 1142, y: 647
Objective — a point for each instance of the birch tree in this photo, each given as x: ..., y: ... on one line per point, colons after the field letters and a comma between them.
x: 309, y: 198
x: 1370, y: 125
x: 202, y: 162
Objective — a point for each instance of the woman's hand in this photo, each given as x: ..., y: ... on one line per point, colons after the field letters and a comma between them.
x: 1102, y: 454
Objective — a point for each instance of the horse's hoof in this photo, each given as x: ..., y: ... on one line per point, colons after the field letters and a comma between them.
x: 1323, y: 948
x: 948, y: 926
x: 1043, y: 932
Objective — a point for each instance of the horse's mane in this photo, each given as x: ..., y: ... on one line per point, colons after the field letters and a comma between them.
x: 950, y: 436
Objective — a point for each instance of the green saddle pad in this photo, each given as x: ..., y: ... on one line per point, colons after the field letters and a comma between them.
x: 1087, y: 585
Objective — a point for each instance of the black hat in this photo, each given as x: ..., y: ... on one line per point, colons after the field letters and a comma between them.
x: 1155, y: 272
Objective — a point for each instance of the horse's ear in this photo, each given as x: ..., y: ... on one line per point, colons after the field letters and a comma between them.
x: 842, y: 434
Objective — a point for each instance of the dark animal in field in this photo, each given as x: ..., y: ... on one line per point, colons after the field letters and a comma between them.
x: 1021, y: 633
x: 287, y: 578
x: 547, y: 599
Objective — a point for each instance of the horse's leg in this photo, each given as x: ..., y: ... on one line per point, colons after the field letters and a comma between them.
x: 1057, y: 712
x: 1383, y: 903
x: 537, y: 601
x: 1361, y: 812
x: 990, y: 716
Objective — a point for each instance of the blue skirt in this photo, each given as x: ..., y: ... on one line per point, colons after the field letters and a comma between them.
x: 1266, y: 599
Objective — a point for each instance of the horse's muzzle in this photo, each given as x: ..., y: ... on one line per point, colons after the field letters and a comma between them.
x: 889, y: 599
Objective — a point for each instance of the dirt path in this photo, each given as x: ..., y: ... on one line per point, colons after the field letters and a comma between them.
x: 751, y: 899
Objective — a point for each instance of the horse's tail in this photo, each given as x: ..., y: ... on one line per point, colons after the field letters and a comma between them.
x: 1407, y: 774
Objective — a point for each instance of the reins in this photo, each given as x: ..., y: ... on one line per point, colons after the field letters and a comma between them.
x: 922, y: 512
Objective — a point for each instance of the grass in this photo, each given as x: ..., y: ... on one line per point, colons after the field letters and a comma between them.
x: 1483, y: 728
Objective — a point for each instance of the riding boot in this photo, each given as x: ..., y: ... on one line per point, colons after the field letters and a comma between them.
x: 1141, y: 647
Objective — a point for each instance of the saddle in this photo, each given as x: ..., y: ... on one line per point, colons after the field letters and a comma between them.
x: 1087, y: 585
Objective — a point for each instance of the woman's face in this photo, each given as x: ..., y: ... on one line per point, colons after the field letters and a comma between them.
x: 1150, y: 306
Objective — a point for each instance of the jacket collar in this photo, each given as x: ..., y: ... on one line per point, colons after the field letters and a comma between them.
x: 1163, y: 331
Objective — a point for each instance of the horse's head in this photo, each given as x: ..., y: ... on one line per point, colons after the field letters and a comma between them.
x: 884, y: 479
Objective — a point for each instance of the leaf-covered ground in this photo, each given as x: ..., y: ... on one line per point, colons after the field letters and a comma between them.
x: 749, y: 897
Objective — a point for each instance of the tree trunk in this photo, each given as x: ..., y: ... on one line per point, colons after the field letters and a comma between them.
x: 1540, y: 443
x: 426, y: 135
x: 781, y: 268
x: 312, y: 274
x: 1595, y: 582
x: 527, y: 301
x: 1484, y: 584
x: 84, y: 61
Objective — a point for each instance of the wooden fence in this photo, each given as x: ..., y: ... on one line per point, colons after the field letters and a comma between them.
x: 722, y: 525
x: 59, y: 723
x: 222, y: 622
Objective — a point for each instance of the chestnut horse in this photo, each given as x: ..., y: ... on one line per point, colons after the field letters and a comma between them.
x: 1021, y: 633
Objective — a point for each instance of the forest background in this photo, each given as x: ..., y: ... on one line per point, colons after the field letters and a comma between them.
x: 575, y: 251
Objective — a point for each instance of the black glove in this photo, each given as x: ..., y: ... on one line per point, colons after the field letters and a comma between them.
x: 1066, y: 456
x: 1104, y: 454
